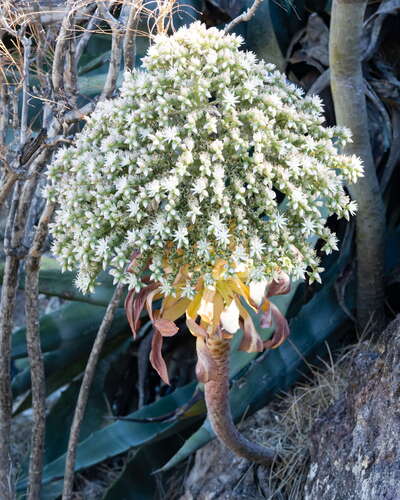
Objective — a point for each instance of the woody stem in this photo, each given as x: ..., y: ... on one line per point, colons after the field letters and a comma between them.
x: 219, y: 412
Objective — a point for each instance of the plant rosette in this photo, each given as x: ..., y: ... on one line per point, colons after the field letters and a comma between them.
x: 174, y: 186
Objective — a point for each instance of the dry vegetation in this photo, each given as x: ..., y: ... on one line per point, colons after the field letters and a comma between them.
x: 294, y: 415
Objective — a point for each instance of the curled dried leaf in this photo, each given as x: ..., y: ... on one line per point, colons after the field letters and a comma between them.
x: 156, y: 359
x: 134, y: 304
x: 279, y: 286
x: 166, y: 327
x: 251, y: 340
x: 195, y: 329
x: 281, y: 332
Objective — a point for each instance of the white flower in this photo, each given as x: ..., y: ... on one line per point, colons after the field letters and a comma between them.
x: 222, y: 236
x: 102, y: 247
x: 200, y: 186
x: 188, y: 291
x: 133, y: 207
x: 257, y: 247
x: 82, y: 282
x: 194, y: 211
x: 158, y: 225
x: 308, y: 227
x: 229, y: 98
x: 240, y: 255
x: 170, y: 134
x: 180, y: 236
x: 132, y: 236
x: 203, y: 249
x: 185, y: 164
x: 279, y: 221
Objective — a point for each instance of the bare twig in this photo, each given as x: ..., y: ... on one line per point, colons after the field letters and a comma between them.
x: 8, y: 294
x: 57, y: 73
x: 85, y: 37
x: 244, y: 17
x: 129, y: 43
x: 7, y: 307
x: 84, y: 392
x: 27, y: 44
x: 8, y: 184
x: 116, y: 51
x: 35, y: 355
x: 4, y: 115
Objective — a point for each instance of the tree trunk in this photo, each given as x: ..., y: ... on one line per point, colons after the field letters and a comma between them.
x: 347, y: 83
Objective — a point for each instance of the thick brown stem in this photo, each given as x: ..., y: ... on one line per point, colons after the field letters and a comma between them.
x: 219, y: 412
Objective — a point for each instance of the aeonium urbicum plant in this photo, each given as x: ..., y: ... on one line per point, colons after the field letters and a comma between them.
x: 172, y: 186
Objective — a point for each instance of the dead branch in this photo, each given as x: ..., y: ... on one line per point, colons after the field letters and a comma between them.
x: 35, y: 354
x: 27, y: 45
x: 129, y: 43
x: 57, y: 74
x: 117, y: 30
x: 244, y: 17
x: 7, y: 307
x: 84, y: 391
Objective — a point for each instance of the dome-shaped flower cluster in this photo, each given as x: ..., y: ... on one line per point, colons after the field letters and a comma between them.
x: 187, y: 168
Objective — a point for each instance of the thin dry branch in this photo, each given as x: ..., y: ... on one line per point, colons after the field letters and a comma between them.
x: 244, y: 17
x: 57, y: 73
x: 85, y: 37
x: 7, y: 307
x: 84, y: 391
x: 27, y: 45
x: 129, y: 43
x: 4, y: 115
x: 117, y: 30
x: 35, y: 354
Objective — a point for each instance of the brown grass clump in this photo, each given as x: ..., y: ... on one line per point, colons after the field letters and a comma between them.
x: 293, y: 416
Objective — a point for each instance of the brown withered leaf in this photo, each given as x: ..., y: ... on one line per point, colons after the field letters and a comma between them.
x: 281, y: 332
x: 166, y: 327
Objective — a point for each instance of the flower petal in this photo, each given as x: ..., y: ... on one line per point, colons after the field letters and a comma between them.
x: 257, y: 291
x: 149, y: 304
x: 194, y: 305
x: 206, y: 309
x: 230, y: 318
x: 217, y: 312
x: 173, y: 308
x: 156, y: 359
x: 251, y: 341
